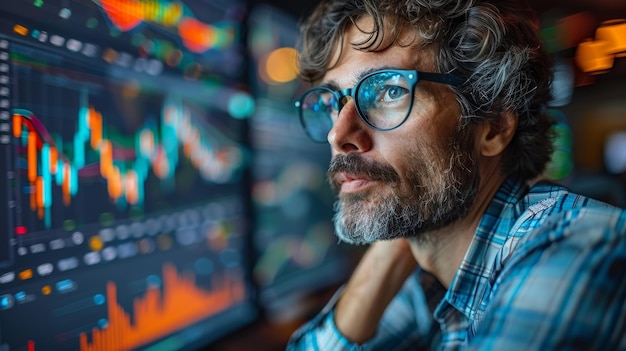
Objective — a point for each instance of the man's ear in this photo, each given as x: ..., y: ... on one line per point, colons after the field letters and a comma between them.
x: 497, y: 134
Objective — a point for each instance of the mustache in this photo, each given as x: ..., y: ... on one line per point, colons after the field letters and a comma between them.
x: 355, y: 164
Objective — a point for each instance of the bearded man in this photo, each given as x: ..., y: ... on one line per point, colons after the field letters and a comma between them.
x: 435, y: 112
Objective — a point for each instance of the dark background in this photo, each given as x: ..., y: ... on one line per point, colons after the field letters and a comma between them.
x: 604, y: 8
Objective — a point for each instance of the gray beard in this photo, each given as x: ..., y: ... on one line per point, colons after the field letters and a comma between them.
x: 435, y: 197
x: 356, y: 224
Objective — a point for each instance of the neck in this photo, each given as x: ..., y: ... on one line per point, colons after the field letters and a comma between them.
x: 443, y: 256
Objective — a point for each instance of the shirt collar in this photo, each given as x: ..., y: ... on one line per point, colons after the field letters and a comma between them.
x: 472, y: 282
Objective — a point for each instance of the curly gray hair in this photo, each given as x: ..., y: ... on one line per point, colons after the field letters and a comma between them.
x: 493, y: 44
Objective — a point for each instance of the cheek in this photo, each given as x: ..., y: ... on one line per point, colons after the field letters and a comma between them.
x: 432, y: 126
x: 419, y: 161
x: 425, y: 141
x: 440, y: 108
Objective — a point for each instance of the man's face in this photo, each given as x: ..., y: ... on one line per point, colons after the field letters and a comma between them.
x: 403, y: 182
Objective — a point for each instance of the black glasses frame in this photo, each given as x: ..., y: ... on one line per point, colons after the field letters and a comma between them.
x: 412, y: 76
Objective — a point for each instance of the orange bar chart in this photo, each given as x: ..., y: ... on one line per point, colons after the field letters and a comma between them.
x: 157, y: 313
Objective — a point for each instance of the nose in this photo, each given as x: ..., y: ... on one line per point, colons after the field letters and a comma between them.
x: 349, y: 133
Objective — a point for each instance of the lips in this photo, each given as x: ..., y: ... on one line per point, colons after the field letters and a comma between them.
x: 352, y: 173
x: 350, y: 183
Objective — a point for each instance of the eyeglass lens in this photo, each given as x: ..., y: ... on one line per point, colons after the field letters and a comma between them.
x: 383, y: 101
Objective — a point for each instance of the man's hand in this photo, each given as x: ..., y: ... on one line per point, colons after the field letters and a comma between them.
x: 377, y: 279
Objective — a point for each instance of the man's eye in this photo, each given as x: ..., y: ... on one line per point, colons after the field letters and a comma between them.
x: 393, y: 92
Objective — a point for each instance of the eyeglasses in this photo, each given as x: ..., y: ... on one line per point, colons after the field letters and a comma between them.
x: 383, y: 100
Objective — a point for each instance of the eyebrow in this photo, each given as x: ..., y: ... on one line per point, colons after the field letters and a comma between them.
x: 358, y: 76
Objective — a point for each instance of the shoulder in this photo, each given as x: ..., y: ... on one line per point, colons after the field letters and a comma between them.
x: 558, y: 222
x: 551, y: 212
x: 564, y: 280
x: 565, y: 239
x: 571, y: 220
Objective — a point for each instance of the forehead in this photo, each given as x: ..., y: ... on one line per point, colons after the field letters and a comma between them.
x: 405, y: 50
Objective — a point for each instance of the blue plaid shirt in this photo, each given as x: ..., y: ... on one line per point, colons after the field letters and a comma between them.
x: 546, y: 270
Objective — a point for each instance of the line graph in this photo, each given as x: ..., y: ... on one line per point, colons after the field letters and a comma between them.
x: 123, y: 168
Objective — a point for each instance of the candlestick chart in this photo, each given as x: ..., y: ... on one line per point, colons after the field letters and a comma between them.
x: 124, y: 170
x: 78, y: 142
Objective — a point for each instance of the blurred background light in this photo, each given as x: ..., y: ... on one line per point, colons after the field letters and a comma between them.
x: 615, y: 153
x: 614, y: 34
x: 241, y: 105
x: 280, y: 66
x: 597, y: 55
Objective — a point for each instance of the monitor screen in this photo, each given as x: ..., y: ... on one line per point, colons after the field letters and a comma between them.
x: 124, y: 165
x: 298, y: 253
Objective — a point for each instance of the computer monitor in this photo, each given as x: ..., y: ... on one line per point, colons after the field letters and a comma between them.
x: 124, y: 169
x: 298, y: 253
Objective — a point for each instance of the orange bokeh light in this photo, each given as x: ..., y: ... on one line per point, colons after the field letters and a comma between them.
x: 280, y: 65
x: 597, y: 55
